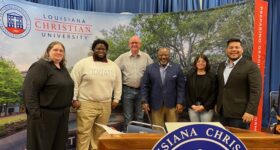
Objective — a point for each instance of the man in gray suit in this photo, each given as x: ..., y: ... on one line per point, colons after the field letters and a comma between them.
x: 239, y: 87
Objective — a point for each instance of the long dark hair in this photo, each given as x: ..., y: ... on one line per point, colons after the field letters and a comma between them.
x: 204, y: 57
x: 46, y: 55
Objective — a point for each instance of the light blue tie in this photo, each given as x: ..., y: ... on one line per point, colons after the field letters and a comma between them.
x: 162, y: 74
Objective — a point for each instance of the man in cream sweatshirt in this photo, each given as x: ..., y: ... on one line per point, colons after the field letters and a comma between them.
x: 96, y: 79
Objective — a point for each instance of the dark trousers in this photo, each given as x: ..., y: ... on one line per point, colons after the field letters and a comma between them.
x: 233, y: 122
x: 49, y: 131
x: 131, y: 104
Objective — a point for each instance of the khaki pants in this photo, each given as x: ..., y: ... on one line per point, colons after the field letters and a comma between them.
x: 89, y: 113
x: 159, y: 115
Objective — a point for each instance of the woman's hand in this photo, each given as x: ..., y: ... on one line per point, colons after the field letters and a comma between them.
x: 76, y: 104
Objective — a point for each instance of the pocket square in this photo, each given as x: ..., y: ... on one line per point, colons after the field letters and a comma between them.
x: 174, y: 76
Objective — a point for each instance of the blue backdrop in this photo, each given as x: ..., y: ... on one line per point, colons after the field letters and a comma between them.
x: 137, y: 6
x: 272, y: 70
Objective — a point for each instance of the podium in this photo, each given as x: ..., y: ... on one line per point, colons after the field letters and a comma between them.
x: 145, y: 141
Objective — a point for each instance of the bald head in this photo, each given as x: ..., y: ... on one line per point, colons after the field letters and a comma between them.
x: 163, y: 56
x: 135, y: 38
x: 134, y: 44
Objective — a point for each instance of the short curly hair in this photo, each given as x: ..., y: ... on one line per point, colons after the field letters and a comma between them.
x: 99, y: 41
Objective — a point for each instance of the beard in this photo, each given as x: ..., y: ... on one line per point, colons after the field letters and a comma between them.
x: 233, y: 59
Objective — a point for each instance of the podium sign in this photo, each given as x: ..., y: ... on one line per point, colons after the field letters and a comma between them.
x: 200, y: 136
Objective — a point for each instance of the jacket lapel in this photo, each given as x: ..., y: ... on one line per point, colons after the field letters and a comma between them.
x: 168, y: 73
x: 158, y: 74
x: 235, y: 68
x: 221, y: 72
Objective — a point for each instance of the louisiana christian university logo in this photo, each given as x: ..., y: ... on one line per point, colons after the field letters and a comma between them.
x: 200, y: 137
x: 14, y: 21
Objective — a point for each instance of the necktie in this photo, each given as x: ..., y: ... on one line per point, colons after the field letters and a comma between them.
x: 162, y: 73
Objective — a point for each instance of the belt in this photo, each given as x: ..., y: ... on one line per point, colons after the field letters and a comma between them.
x: 57, y: 108
x: 131, y: 87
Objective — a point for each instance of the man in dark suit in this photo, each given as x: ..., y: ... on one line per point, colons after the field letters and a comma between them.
x: 239, y: 87
x: 163, y: 88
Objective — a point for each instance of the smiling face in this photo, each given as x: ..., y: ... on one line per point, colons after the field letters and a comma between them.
x: 163, y: 56
x: 134, y: 44
x: 201, y: 64
x: 234, y: 51
x: 56, y: 53
x: 100, y: 51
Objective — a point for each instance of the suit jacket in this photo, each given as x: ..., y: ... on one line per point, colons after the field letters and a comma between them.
x: 242, y: 91
x: 208, y: 92
x: 158, y: 95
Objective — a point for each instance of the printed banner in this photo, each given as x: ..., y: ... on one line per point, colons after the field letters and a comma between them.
x: 27, y: 28
x: 259, y: 52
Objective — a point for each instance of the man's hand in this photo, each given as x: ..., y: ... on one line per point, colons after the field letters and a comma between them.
x: 114, y: 104
x: 145, y: 107
x: 277, y: 129
x: 179, y: 108
x: 278, y: 117
x: 247, y: 118
x: 76, y: 104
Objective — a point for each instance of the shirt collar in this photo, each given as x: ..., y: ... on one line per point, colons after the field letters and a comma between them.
x: 138, y: 54
x: 52, y: 64
x: 234, y: 62
x: 102, y: 60
x: 165, y: 66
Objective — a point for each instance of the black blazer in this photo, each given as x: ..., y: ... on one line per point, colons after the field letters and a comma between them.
x: 242, y: 91
x: 209, y: 90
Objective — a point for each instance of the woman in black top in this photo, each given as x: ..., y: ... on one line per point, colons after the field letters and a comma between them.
x: 48, y: 92
x: 201, y: 90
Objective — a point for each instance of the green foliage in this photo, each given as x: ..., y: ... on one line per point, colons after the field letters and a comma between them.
x: 11, y: 119
x: 2, y: 130
x: 117, y: 39
x: 10, y: 82
x: 188, y: 34
x: 239, y: 22
x: 12, y: 127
